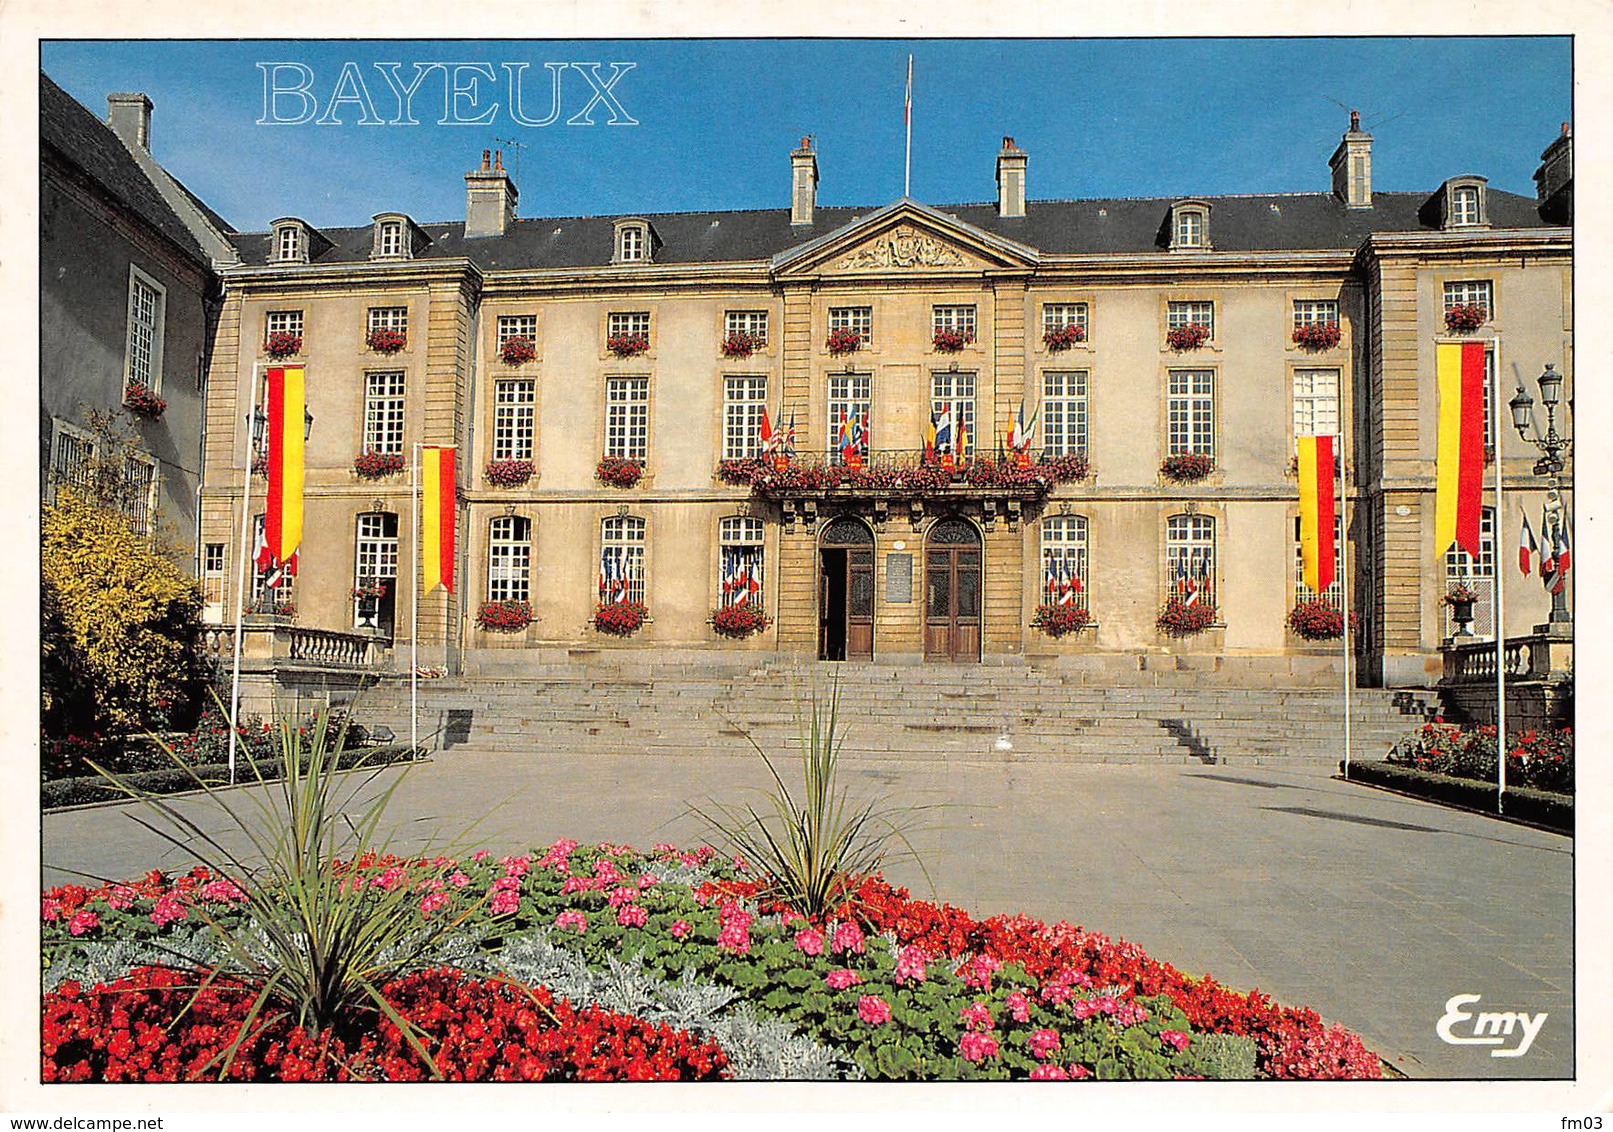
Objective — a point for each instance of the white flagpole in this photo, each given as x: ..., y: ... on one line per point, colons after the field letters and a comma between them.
x: 1344, y: 587
x: 240, y: 573
x: 414, y: 606
x: 1494, y: 393
x: 907, y: 117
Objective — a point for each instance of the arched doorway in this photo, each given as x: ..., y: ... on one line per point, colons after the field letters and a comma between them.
x: 952, y: 580
x: 846, y: 591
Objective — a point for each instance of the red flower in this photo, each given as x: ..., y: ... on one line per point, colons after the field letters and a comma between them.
x: 1057, y: 620
x: 374, y: 465
x: 951, y: 341
x: 739, y: 620
x: 508, y: 473
x: 627, y: 345
x: 386, y: 340
x: 1190, y: 336
x: 1186, y: 467
x: 618, y: 471
x: 844, y: 341
x: 620, y: 618
x: 283, y: 344
x: 138, y: 398
x: 1317, y: 335
x: 517, y: 349
x: 504, y: 616
x: 1063, y: 337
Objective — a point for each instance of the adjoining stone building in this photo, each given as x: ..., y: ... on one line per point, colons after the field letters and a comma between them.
x: 961, y: 311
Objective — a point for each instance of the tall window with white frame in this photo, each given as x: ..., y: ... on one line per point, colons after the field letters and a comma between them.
x: 1190, y: 559
x: 627, y: 418
x: 628, y: 324
x: 391, y: 241
x: 387, y: 318
x: 752, y: 323
x: 1064, y: 413
x: 1064, y: 561
x: 509, y: 559
x: 956, y: 318
x: 282, y: 322
x: 740, y: 571
x: 849, y: 402
x: 1478, y: 574
x: 143, y: 356
x: 523, y: 326
x: 1179, y: 315
x: 213, y: 583
x: 744, y: 397
x: 1189, y: 228
x: 1464, y: 205
x: 621, y: 559
x: 1316, y: 312
x: 858, y: 320
x: 952, y: 397
x: 1470, y: 292
x: 375, y: 569
x: 1063, y: 316
x: 1190, y: 412
x: 1334, y: 594
x: 1316, y: 402
x: 630, y: 243
x: 288, y: 245
x: 514, y: 415
x: 383, y: 412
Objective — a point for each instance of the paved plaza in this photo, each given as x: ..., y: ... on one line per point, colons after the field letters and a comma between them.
x: 1371, y: 908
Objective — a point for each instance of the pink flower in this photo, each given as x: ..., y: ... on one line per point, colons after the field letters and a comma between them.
x: 222, y: 892
x: 739, y: 862
x: 809, y: 941
x: 605, y: 869
x: 480, y: 855
x: 911, y: 963
x: 632, y: 916
x: 976, y: 972
x: 575, y: 884
x: 122, y: 896
x: 1083, y: 1008
x: 1079, y: 1071
x: 648, y: 880
x: 555, y: 858
x: 458, y: 879
x: 976, y: 1016
x: 1042, y: 1043
x: 83, y: 920
x: 50, y: 909
x: 432, y: 901
x: 663, y: 848
x: 843, y: 978
x: 572, y: 919
x: 1131, y: 1013
x: 688, y: 860
x: 168, y: 910
x: 976, y: 1046
x: 620, y: 896
x: 1175, y: 1039
x: 516, y: 866
x: 504, y: 900
x: 389, y: 879
x: 680, y: 929
x: 1049, y: 1072
x: 1019, y: 1007
x: 847, y: 937
x: 735, y: 934
x: 873, y: 1010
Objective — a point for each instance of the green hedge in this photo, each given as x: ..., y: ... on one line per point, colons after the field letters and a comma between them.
x: 62, y: 792
x: 1555, y: 811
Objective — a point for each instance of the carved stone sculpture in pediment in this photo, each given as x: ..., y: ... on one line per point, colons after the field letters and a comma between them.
x: 902, y: 247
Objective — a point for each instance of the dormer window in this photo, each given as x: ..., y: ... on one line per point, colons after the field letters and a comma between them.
x: 396, y: 237
x: 1190, y: 226
x: 633, y: 241
x: 389, y: 240
x: 1465, y: 206
x: 290, y: 243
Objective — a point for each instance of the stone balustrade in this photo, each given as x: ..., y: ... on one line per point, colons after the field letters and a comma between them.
x: 271, y: 643
x: 1535, y: 657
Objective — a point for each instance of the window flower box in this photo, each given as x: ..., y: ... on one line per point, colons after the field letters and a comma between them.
x: 1188, y: 337
x: 627, y: 345
x: 844, y: 341
x: 1067, y: 469
x: 740, y: 473
x: 739, y: 344
x: 283, y: 344
x: 1186, y: 467
x: 508, y: 473
x: 1179, y: 619
x: 1465, y: 317
x: 138, y: 398
x: 1058, y: 620
x: 504, y: 616
x: 374, y: 465
x: 1316, y: 335
x: 618, y: 471
x: 386, y: 340
x: 1063, y: 337
x: 268, y: 605
x: 620, y: 618
x: 1318, y: 620
x: 739, y: 621
x: 517, y: 349
x: 951, y: 341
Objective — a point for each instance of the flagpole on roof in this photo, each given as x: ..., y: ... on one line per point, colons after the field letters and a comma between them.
x: 240, y: 573
x: 1493, y: 392
x: 415, y: 566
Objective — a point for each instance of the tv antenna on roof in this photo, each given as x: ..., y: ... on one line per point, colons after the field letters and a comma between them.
x: 518, y: 146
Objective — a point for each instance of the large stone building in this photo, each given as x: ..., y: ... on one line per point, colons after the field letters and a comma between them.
x: 660, y: 339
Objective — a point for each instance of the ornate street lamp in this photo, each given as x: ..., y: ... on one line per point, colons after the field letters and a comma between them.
x: 1553, y: 445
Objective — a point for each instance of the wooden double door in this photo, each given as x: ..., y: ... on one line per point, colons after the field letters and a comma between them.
x: 952, y: 589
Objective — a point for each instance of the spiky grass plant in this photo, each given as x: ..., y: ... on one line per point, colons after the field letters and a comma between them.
x: 814, y: 850
x: 322, y: 936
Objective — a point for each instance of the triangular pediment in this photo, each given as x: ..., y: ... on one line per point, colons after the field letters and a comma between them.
x: 905, y: 238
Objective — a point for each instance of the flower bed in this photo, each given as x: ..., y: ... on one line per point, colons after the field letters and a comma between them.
x: 1316, y: 335
x: 905, y: 990
x: 739, y: 621
x: 618, y: 471
x: 517, y: 350
x: 140, y: 399
x: 620, y: 618
x: 739, y: 344
x: 1318, y: 620
x: 504, y: 616
x: 1186, y: 467
x: 627, y: 345
x: 508, y: 473
x: 374, y: 465
x: 283, y: 344
x: 386, y: 340
x: 1465, y: 317
x: 1188, y: 337
x: 1063, y: 337
x: 1179, y: 619
x: 1541, y: 759
x: 1058, y: 620
x: 842, y: 342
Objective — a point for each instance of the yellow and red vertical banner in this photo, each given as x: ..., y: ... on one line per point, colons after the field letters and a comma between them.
x: 437, y: 518
x: 1316, y: 511
x: 1459, y: 461
x: 282, y: 523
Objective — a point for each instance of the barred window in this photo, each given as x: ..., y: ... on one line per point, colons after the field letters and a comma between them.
x: 1477, y: 574
x: 952, y: 399
x: 1190, y: 558
x: 388, y: 318
x: 73, y: 461
x: 1191, y: 412
x: 857, y: 319
x: 1057, y: 316
x: 517, y: 326
x: 1064, y: 413
x: 143, y: 359
x: 1334, y: 594
x: 1178, y: 315
x: 753, y: 323
x: 1469, y: 292
x: 621, y: 559
x: 740, y: 539
x: 959, y: 319
x: 849, y: 401
x: 509, y: 559
x: 1316, y: 312
x: 632, y: 322
x: 514, y: 404
x: 1316, y: 402
x: 140, y: 491
x: 282, y: 322
x: 383, y: 412
x: 627, y: 417
x: 744, y: 399
x: 1064, y: 560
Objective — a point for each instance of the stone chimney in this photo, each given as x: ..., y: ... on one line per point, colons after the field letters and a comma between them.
x: 1010, y: 179
x: 129, y: 115
x: 803, y: 183
x: 1352, y: 166
x: 1554, y: 180
x: 490, y: 198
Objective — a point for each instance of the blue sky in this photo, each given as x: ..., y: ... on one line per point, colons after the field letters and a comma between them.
x: 716, y: 119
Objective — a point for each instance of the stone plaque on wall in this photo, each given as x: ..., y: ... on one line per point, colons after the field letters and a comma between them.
x: 898, y: 578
